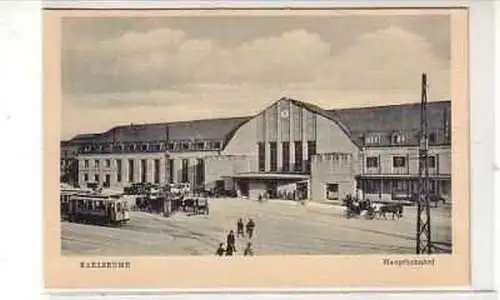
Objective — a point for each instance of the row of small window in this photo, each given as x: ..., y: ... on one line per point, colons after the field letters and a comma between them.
x: 97, y: 163
x: 403, y: 186
x: 397, y: 162
x: 395, y: 139
x: 285, y: 155
x: 146, y: 147
x: 199, y: 171
x: 143, y: 171
x: 336, y: 156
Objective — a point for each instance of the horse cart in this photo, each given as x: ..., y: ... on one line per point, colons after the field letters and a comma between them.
x: 195, y: 206
x: 356, y: 208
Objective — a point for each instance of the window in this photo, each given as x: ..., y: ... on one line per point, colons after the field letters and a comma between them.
x: 398, y: 139
x: 372, y: 187
x: 262, y: 157
x: 445, y: 187
x: 170, y: 146
x: 199, y: 146
x: 85, y: 177
x: 432, y: 186
x: 311, y: 150
x: 86, y: 163
x: 97, y: 163
x: 332, y: 191
x: 273, y: 156
x: 130, y: 170
x: 372, y: 139
x: 432, y: 138
x: 157, y: 171
x: 400, y: 187
x: 298, y: 156
x: 96, y: 178
x: 431, y: 162
x: 217, y: 145
x: 184, y: 175
x: 185, y: 146
x: 158, y: 147
x: 372, y: 162
x: 132, y: 147
x: 200, y: 171
x: 399, y: 161
x: 286, y: 156
x: 107, y: 180
x: 144, y: 170
x: 144, y: 147
x: 108, y: 163
x: 171, y: 171
x: 119, y: 170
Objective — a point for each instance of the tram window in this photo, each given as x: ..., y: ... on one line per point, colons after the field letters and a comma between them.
x: 118, y: 207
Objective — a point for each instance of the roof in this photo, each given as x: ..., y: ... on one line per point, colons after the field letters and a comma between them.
x: 403, y: 117
x: 355, y: 122
x: 209, y: 129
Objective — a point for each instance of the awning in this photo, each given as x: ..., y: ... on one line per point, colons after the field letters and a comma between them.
x: 401, y: 176
x: 279, y: 176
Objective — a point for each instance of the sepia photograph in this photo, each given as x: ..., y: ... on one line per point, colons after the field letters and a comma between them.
x: 253, y: 134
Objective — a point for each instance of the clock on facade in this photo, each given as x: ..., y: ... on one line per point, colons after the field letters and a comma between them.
x: 284, y: 114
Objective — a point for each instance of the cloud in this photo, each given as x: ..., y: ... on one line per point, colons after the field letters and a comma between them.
x: 388, y: 59
x: 163, y: 74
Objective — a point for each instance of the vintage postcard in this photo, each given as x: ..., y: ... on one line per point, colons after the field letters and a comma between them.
x: 256, y: 148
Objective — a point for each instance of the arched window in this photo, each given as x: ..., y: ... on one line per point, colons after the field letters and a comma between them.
x: 144, y: 147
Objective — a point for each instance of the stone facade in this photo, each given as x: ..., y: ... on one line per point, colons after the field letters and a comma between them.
x: 335, y: 153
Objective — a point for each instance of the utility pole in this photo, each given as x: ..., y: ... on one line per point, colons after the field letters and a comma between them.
x: 423, y: 205
x: 167, y: 202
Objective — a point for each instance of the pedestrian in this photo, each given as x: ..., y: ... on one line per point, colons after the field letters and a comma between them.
x: 240, y: 227
x: 230, y: 250
x: 248, y: 250
x: 250, y: 228
x: 220, y: 251
x: 231, y: 242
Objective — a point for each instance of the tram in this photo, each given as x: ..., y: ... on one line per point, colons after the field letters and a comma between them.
x: 99, y: 209
x: 66, y: 193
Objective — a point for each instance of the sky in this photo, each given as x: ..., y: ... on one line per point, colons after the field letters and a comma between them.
x: 122, y: 70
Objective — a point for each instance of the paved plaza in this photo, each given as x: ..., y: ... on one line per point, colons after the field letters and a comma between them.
x: 282, y: 227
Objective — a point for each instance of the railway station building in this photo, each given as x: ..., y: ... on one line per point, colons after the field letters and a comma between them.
x: 289, y: 148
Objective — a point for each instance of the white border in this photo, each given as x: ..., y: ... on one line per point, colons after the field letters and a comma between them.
x: 481, y: 58
x: 20, y: 124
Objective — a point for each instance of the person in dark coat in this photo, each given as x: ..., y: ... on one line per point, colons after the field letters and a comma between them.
x: 250, y: 228
x: 231, y: 243
x: 240, y: 228
x: 220, y: 251
x: 248, y: 250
